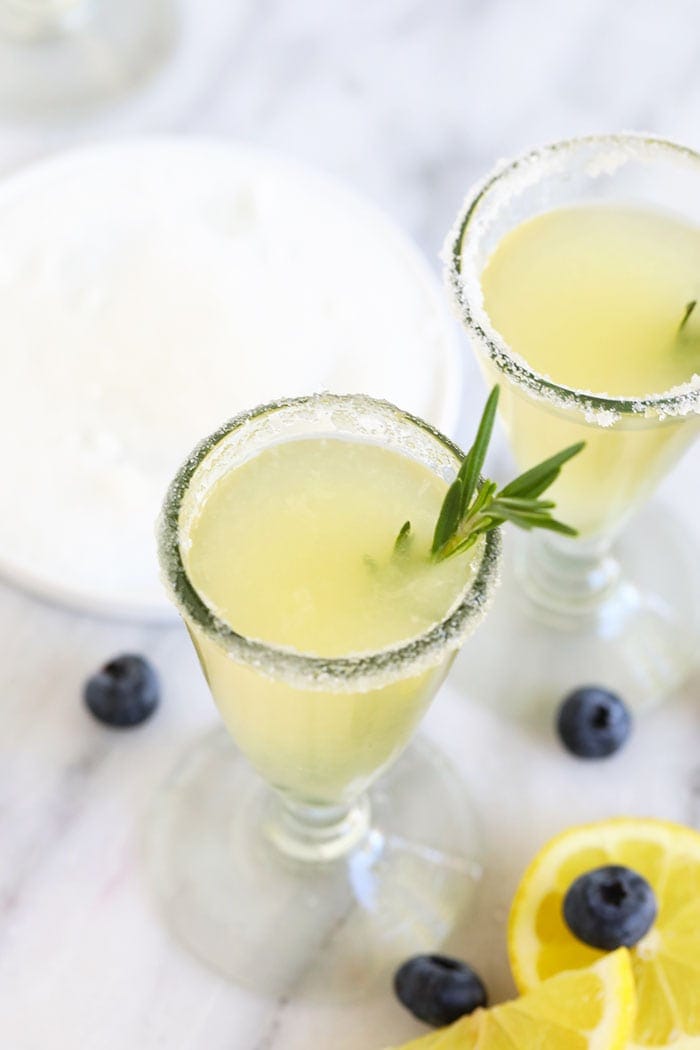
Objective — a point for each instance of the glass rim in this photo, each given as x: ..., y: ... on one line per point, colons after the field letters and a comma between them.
x: 357, y: 672
x: 466, y: 290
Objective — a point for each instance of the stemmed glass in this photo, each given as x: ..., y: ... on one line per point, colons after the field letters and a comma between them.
x: 61, y: 55
x: 283, y: 861
x: 635, y: 634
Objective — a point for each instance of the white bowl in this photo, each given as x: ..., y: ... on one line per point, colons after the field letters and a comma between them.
x: 151, y: 289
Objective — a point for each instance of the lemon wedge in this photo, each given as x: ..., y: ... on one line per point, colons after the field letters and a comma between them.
x: 591, y: 1009
x: 666, y: 962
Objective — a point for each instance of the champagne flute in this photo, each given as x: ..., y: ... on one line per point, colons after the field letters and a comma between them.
x: 632, y: 632
x: 304, y: 855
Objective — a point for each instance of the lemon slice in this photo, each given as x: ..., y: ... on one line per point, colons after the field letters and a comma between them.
x: 666, y: 962
x: 589, y: 1009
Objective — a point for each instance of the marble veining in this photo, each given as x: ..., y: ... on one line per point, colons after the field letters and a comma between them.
x: 409, y: 101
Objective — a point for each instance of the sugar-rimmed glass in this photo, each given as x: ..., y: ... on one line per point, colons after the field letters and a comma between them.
x: 631, y: 636
x: 254, y: 879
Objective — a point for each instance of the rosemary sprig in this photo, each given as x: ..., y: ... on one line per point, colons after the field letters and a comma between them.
x: 472, y: 507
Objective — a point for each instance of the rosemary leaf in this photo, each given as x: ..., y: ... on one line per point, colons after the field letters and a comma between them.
x: 450, y: 514
x: 689, y: 307
x: 531, y: 482
x: 517, y: 503
x: 403, y: 540
x: 552, y: 525
x: 484, y: 496
x: 474, y: 460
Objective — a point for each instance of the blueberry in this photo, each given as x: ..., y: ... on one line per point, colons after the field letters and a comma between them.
x: 437, y: 989
x: 610, y: 907
x: 593, y: 722
x: 124, y: 692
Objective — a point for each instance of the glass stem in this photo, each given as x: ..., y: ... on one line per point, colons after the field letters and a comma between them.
x: 316, y: 833
x: 568, y: 582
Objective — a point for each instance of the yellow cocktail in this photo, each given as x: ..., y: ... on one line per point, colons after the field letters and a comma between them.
x: 593, y: 296
x: 294, y: 548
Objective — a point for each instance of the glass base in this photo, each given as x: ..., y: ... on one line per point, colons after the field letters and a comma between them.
x: 634, y: 630
x: 326, y: 930
x: 87, y: 53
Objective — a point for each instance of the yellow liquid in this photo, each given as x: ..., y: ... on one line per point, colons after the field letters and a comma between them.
x: 294, y: 548
x: 592, y: 297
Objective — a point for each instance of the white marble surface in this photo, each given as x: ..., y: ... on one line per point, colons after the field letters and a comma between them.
x: 408, y: 100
